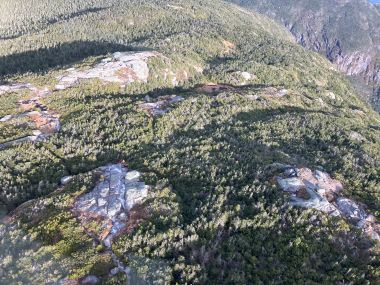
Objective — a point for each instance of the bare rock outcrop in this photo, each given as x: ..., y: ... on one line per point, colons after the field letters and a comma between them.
x: 122, y: 68
x: 110, y: 202
x: 160, y: 106
x: 16, y: 87
x: 317, y: 190
x: 45, y: 121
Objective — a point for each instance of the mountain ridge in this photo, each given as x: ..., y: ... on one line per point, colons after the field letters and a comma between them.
x: 346, y: 32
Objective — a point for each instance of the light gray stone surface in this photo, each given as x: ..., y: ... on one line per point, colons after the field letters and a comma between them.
x: 90, y: 280
x: 123, y: 68
x: 162, y: 105
x: 291, y: 185
x: 113, y: 198
x: 350, y: 209
x: 324, y: 194
x: 66, y: 180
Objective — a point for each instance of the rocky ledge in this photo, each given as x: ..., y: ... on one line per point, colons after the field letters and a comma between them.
x: 16, y: 87
x: 122, y: 68
x: 45, y: 121
x: 161, y: 105
x: 110, y: 202
x: 317, y: 190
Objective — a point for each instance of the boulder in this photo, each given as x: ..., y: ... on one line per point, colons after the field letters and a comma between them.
x: 350, y: 209
x: 161, y: 106
x: 6, y: 118
x: 89, y: 280
x: 292, y: 185
x: 355, y: 136
x: 66, y: 180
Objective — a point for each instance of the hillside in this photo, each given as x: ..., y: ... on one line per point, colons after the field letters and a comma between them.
x: 346, y: 32
x: 179, y: 142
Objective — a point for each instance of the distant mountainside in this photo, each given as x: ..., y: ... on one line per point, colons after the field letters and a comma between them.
x: 347, y: 32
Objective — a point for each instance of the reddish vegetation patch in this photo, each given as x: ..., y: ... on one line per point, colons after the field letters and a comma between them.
x: 302, y: 193
x: 213, y: 88
x: 45, y: 122
x: 182, y: 76
x: 324, y: 181
x: 228, y: 46
x: 136, y: 216
x: 103, y: 225
x: 27, y: 105
x: 39, y: 120
x: 127, y: 74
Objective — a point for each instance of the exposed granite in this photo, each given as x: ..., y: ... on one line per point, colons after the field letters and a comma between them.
x: 122, y: 68
x: 317, y: 190
x: 111, y: 200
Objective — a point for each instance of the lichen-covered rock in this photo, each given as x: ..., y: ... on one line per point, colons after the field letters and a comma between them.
x: 355, y: 136
x: 273, y: 92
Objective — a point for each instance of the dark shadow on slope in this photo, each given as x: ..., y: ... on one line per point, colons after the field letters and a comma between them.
x: 42, y: 60
x: 238, y: 158
x: 57, y: 19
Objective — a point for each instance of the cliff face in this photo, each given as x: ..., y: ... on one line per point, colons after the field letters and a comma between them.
x: 345, y: 31
x: 366, y: 66
x: 363, y: 65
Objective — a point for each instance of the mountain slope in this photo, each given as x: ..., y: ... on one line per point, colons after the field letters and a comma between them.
x: 346, y: 32
x: 146, y: 142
